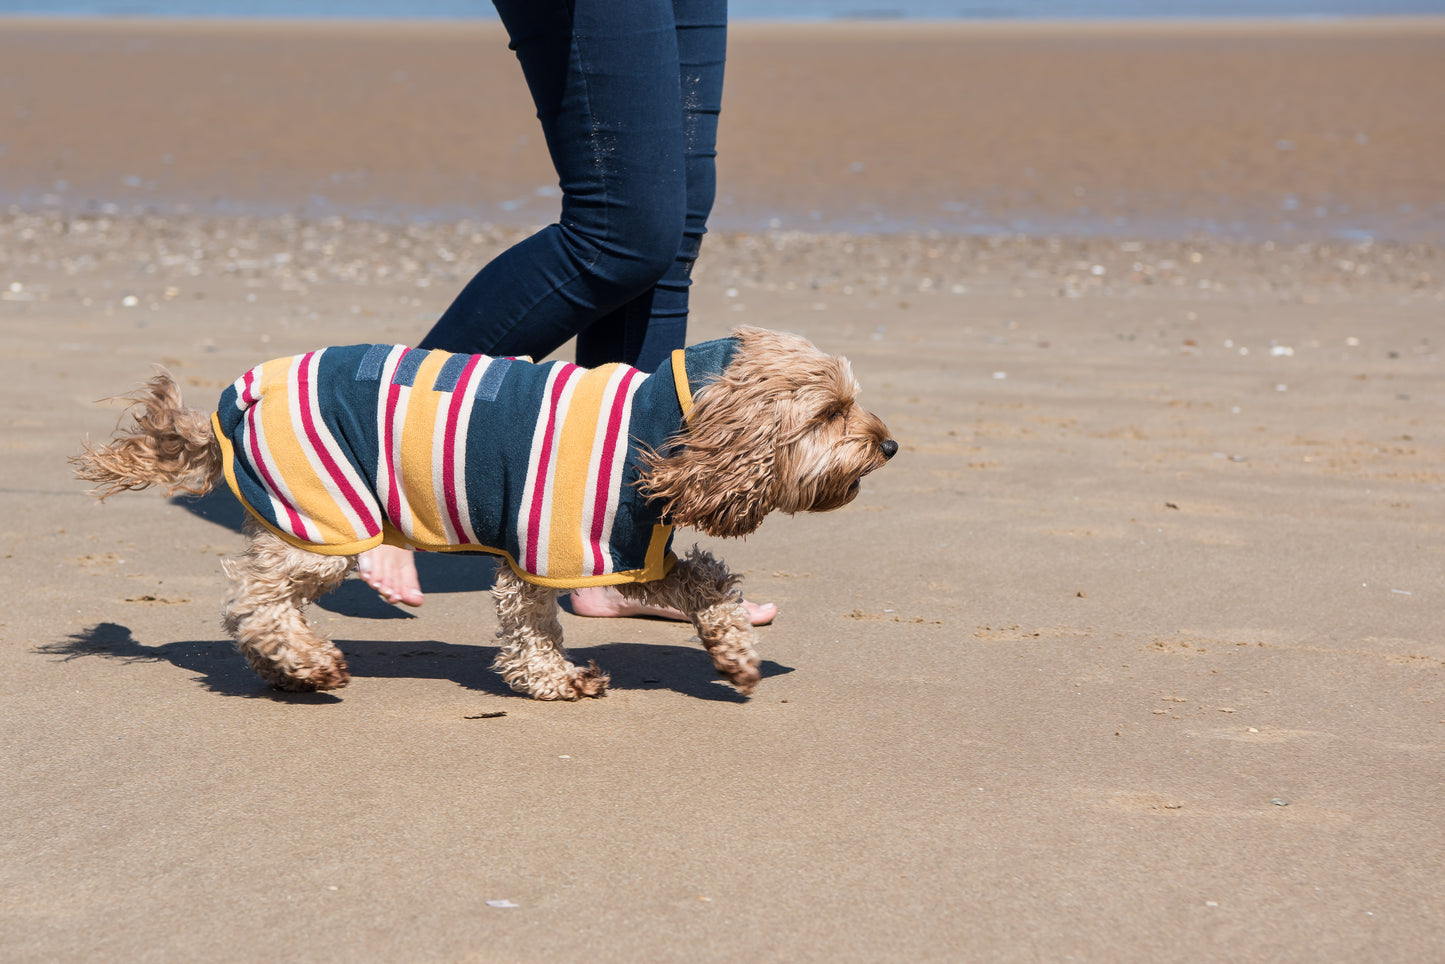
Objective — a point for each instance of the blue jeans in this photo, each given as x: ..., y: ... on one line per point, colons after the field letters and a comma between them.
x: 628, y: 93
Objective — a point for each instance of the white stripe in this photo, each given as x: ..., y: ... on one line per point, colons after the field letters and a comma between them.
x: 403, y: 520
x: 539, y: 436
x: 371, y: 522
x: 544, y: 530
x: 594, y: 466
x: 614, y: 480
x: 438, y: 467
x: 383, y: 479
x: 359, y: 526
x: 279, y: 494
x: 468, y: 392
x: 242, y: 402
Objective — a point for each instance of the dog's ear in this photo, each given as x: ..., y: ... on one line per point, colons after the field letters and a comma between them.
x: 742, y: 453
x: 718, y: 475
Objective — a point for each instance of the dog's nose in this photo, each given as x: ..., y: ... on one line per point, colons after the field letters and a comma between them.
x: 889, y: 447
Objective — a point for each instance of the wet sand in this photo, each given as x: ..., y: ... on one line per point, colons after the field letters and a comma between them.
x: 1253, y: 131
x: 1132, y: 653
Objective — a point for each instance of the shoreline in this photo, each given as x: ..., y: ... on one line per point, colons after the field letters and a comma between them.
x: 162, y: 257
x: 1043, y: 229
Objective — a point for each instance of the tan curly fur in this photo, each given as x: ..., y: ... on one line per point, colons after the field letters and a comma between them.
x: 532, y: 659
x: 703, y: 588
x: 169, y: 445
x: 779, y: 430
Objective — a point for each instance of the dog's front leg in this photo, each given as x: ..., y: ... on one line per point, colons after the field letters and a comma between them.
x: 532, y: 659
x: 706, y: 592
x: 271, y: 582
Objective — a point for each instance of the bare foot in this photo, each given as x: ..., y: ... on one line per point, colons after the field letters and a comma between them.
x: 606, y: 601
x: 391, y: 571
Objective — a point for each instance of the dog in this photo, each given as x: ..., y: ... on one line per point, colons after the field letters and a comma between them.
x: 574, y: 477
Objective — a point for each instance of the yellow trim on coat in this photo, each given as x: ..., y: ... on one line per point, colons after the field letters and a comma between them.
x: 679, y: 379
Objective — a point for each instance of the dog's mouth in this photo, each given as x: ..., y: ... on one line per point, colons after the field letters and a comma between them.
x: 856, y: 485
x: 869, y: 470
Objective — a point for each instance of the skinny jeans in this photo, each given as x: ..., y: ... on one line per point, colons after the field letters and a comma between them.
x: 628, y: 93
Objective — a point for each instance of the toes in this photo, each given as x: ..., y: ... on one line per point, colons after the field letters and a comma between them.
x: 391, y: 571
x: 760, y: 614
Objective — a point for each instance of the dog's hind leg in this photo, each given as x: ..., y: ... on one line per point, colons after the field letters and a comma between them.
x: 271, y: 581
x: 703, y: 588
x: 532, y: 659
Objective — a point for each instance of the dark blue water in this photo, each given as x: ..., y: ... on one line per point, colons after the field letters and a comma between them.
x: 813, y: 10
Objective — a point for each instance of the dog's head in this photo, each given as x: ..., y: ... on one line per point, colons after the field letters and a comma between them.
x: 780, y: 429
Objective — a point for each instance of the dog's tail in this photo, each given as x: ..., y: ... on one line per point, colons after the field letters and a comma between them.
x: 167, y: 445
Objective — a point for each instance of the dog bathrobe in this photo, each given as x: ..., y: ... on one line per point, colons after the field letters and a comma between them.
x: 341, y: 449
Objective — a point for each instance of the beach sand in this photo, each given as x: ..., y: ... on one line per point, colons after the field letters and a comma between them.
x: 1131, y: 654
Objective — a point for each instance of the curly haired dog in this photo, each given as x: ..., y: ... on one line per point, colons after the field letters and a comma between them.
x: 575, y: 477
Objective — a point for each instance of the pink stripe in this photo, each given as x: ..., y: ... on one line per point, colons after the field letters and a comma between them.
x: 249, y: 380
x: 303, y: 391
x: 544, y: 461
x: 298, y: 526
x: 388, y: 461
x: 603, y: 494
x: 449, y: 454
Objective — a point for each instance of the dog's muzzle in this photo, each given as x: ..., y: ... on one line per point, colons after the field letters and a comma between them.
x: 888, y: 448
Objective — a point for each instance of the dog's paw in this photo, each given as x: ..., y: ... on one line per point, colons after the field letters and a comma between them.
x: 578, y: 681
x: 737, y: 665
x: 732, y: 652
x: 589, y: 680
x: 331, y: 677
x: 743, y: 676
x: 320, y: 671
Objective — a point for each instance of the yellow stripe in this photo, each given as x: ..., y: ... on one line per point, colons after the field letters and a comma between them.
x: 416, y: 454
x: 569, y: 484
x: 679, y: 378
x: 228, y: 463
x: 288, y: 456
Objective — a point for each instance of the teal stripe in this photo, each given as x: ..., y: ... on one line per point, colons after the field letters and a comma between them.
x: 370, y: 368
x: 405, y: 374
x: 451, y: 372
x: 491, y: 381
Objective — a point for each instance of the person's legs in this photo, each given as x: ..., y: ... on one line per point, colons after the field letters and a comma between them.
x: 604, y: 76
x: 550, y: 293
x: 644, y: 332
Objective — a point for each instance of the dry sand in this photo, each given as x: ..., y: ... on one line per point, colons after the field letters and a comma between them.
x: 1132, y: 654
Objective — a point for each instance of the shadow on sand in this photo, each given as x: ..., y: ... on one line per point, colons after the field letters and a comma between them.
x: 633, y: 666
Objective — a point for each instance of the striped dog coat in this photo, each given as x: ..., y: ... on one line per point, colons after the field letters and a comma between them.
x: 341, y: 449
